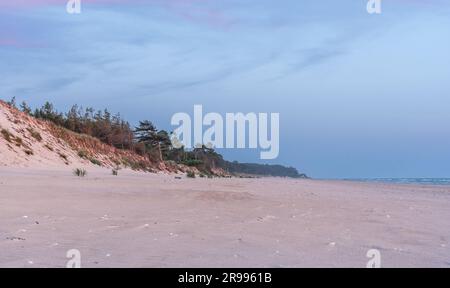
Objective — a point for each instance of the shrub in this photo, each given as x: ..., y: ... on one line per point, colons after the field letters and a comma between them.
x: 192, y: 162
x: 82, y: 154
x: 95, y: 162
x: 29, y: 152
x: 19, y: 141
x: 7, y: 135
x: 35, y: 134
x: 190, y: 174
x: 80, y: 172
x: 115, y: 172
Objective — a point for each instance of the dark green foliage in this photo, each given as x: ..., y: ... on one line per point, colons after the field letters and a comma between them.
x: 262, y: 169
x: 25, y: 108
x: 153, y: 141
x: 192, y: 162
x: 12, y: 102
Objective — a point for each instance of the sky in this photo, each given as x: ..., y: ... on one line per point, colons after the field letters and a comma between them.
x: 359, y: 95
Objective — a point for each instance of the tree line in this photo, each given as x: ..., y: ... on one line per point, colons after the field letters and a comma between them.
x: 145, y: 139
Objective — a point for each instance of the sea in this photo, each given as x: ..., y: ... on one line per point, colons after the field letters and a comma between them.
x: 420, y: 181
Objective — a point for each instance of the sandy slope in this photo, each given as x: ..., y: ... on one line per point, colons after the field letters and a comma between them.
x: 150, y: 220
x: 46, y: 152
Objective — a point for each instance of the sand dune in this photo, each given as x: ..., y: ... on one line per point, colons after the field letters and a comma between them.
x: 154, y: 220
x: 29, y: 142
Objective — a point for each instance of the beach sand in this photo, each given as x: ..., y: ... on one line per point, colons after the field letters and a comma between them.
x: 155, y: 220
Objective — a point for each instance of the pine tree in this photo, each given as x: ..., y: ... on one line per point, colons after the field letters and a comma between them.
x: 25, y: 108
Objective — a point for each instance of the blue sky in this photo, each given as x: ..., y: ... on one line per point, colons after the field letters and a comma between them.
x: 359, y: 95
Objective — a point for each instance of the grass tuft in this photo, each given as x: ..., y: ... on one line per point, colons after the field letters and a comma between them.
x: 79, y: 172
x: 95, y: 162
x: 7, y: 135
x: 36, y: 135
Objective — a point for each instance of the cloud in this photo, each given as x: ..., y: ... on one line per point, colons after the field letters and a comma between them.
x: 10, y: 42
x: 198, y: 11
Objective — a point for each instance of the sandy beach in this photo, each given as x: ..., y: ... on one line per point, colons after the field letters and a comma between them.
x: 154, y: 220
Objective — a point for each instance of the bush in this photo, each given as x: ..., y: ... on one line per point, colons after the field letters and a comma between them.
x: 192, y: 162
x: 190, y: 174
x: 96, y: 162
x: 19, y: 141
x: 82, y: 154
x: 7, y: 135
x: 80, y: 172
x: 35, y: 134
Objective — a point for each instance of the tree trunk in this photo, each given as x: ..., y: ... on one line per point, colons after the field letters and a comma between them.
x: 160, y: 153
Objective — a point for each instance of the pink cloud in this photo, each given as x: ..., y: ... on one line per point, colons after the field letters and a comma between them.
x: 191, y: 10
x: 36, y: 3
x: 13, y: 43
x: 9, y: 42
x: 18, y: 43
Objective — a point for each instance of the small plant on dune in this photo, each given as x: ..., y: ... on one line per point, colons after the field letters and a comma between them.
x: 19, y: 141
x: 62, y: 156
x: 7, y: 135
x: 190, y: 174
x: 95, y: 162
x: 48, y: 147
x: 79, y: 172
x: 82, y: 154
x: 29, y: 152
x: 115, y: 172
x: 35, y: 134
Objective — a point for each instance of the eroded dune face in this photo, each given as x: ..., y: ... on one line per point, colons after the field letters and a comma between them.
x: 29, y: 142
